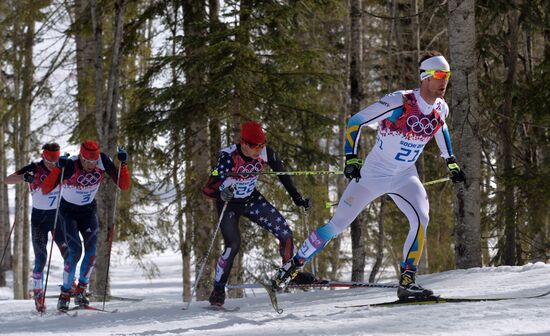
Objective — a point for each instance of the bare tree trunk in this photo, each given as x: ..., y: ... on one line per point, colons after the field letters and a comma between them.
x: 423, y: 265
x: 506, y: 141
x: 24, y: 69
x: 85, y: 55
x: 4, y: 208
x: 198, y: 164
x: 462, y: 47
x: 356, y: 95
x: 106, y: 124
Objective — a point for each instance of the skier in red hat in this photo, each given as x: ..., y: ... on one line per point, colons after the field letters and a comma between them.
x: 78, y: 210
x: 234, y: 182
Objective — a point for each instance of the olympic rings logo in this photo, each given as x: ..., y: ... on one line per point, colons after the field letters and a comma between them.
x: 89, y: 179
x: 424, y: 125
x: 250, y: 168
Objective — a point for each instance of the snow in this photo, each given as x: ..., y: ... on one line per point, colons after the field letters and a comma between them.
x: 305, y: 313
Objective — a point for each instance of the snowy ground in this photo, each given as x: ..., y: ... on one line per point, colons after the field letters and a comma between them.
x: 305, y: 313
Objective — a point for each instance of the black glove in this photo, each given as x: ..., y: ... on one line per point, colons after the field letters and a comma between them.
x: 457, y: 175
x: 353, y: 167
x: 303, y: 202
x: 227, y: 194
x: 62, y: 161
x: 28, y: 177
x: 122, y: 154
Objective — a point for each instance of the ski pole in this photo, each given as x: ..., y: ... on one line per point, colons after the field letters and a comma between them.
x: 7, y: 243
x: 198, y: 277
x: 329, y: 205
x: 303, y: 172
x: 111, y: 234
x: 54, y: 228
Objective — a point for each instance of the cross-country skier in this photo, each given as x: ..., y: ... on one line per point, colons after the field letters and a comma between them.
x: 82, y: 177
x: 42, y: 216
x: 248, y: 158
x: 407, y: 120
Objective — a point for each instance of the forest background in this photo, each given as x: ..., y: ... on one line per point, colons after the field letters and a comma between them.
x: 172, y: 80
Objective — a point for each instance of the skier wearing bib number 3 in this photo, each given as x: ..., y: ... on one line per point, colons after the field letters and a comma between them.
x: 82, y: 176
x: 248, y: 158
x: 42, y: 216
x: 407, y: 120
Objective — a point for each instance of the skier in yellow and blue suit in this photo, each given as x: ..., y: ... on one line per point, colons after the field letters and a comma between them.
x: 407, y: 120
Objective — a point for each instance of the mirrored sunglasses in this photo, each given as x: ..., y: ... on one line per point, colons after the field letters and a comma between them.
x: 439, y: 74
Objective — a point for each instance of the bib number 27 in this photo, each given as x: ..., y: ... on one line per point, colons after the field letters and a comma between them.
x: 407, y: 155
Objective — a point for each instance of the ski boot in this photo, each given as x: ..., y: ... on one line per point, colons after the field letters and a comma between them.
x: 217, y: 297
x: 64, y: 301
x: 408, y: 288
x: 285, y: 274
x: 39, y: 300
x: 80, y: 298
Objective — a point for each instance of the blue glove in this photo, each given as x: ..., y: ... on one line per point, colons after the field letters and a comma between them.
x: 62, y: 161
x: 303, y: 202
x: 227, y: 194
x: 457, y: 175
x: 122, y: 154
x: 353, y: 167
x: 28, y: 177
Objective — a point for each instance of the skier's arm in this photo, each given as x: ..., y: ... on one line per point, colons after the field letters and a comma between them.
x: 52, y: 180
x: 19, y: 175
x: 111, y: 169
x: 443, y: 140
x: 277, y: 165
x: 380, y: 110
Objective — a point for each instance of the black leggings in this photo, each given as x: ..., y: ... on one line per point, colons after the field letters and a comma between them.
x: 260, y: 211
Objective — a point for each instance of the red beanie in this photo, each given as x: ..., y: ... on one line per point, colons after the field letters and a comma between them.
x: 89, y: 150
x: 252, y: 133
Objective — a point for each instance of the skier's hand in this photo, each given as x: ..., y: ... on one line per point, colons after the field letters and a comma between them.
x: 28, y: 177
x: 303, y: 202
x: 227, y: 194
x: 457, y: 175
x: 122, y: 154
x: 353, y: 167
x: 62, y: 161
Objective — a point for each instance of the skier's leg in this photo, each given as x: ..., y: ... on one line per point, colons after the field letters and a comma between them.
x: 264, y: 214
x: 68, y: 230
x: 229, y: 227
x: 41, y: 222
x: 354, y: 199
x: 411, y: 198
x: 88, y: 225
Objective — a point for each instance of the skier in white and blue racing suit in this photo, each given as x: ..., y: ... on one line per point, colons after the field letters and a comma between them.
x: 407, y: 120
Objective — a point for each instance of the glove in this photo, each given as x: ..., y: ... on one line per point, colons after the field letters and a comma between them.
x: 227, y: 194
x: 28, y: 177
x: 353, y: 167
x: 457, y: 175
x: 303, y: 202
x: 122, y: 154
x: 62, y: 161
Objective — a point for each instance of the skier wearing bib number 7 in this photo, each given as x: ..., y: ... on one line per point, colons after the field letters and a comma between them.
x: 42, y: 216
x: 407, y: 120
x: 78, y: 210
x: 248, y: 158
